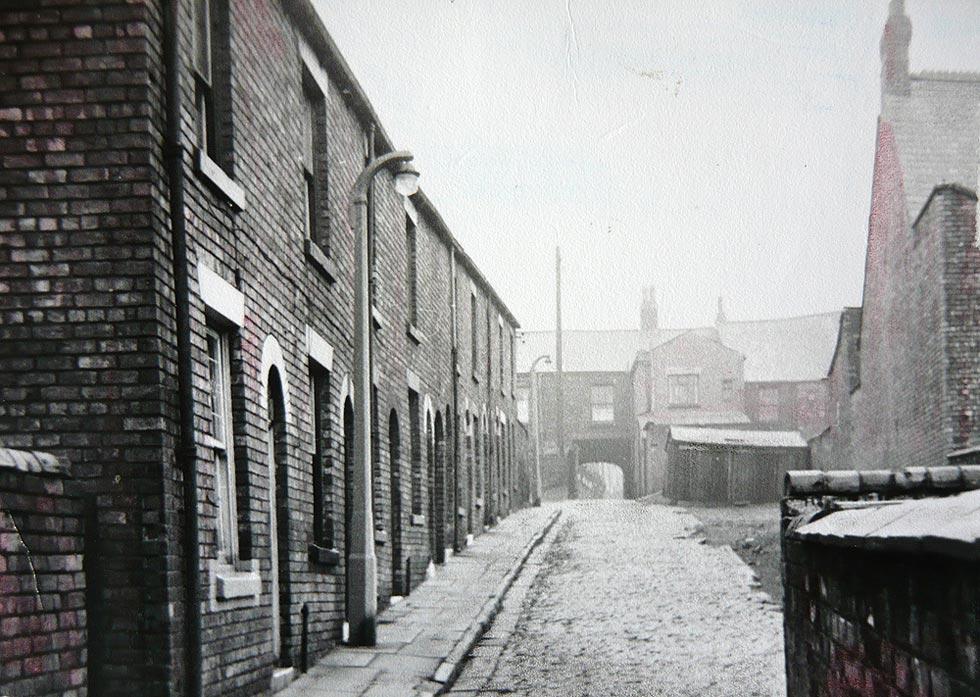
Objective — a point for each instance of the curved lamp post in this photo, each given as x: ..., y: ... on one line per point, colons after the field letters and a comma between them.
x: 535, y: 432
x: 362, y: 605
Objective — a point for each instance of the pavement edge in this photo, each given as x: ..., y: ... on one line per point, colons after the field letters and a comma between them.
x: 450, y: 667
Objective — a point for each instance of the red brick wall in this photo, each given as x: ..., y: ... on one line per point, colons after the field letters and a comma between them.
x: 919, y: 340
x: 859, y: 622
x: 802, y: 406
x: 43, y: 628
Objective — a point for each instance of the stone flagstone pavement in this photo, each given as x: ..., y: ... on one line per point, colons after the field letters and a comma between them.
x: 423, y: 640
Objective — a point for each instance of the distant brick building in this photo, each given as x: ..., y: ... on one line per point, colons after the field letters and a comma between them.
x: 175, y: 230
x: 768, y: 374
x: 830, y: 449
x: 914, y: 397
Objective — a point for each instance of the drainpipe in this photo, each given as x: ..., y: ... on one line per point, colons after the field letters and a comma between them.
x: 187, y: 447
x: 454, y: 312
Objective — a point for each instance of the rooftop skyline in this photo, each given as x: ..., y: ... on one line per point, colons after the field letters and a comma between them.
x: 720, y: 151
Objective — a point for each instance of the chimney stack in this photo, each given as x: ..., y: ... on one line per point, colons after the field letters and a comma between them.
x: 895, y: 42
x: 648, y: 310
x: 720, y: 318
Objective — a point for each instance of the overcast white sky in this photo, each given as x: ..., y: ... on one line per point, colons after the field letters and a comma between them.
x: 713, y: 147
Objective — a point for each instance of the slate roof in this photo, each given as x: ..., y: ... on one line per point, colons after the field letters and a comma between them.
x: 795, y: 349
x: 943, y: 525
x: 731, y: 436
x: 936, y: 131
x: 589, y: 350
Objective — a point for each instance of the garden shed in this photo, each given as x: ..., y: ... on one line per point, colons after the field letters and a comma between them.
x: 718, y: 465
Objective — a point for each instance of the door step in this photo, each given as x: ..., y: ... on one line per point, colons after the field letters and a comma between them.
x: 281, y: 677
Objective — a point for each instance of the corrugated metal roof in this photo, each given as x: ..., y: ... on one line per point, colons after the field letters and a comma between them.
x: 694, y: 417
x: 731, y: 436
x: 934, y: 524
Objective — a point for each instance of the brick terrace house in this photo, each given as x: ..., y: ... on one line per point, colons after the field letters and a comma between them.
x: 913, y: 361
x: 624, y: 389
x: 176, y: 282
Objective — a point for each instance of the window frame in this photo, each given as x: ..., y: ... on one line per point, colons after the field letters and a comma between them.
x: 223, y: 446
x: 695, y: 394
x: 323, y: 519
x: 474, y: 335
x: 315, y: 162
x: 602, y: 405
x: 767, y: 416
x: 412, y: 269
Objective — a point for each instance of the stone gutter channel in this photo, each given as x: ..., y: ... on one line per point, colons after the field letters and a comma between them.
x: 449, y: 669
x: 425, y: 639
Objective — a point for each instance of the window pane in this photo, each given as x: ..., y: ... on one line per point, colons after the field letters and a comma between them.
x: 216, y: 391
x: 225, y: 496
x: 411, y: 242
x: 310, y: 206
x: 523, y: 410
x: 219, y: 397
x: 307, y: 125
x: 602, y: 403
x: 202, y: 38
x: 683, y: 390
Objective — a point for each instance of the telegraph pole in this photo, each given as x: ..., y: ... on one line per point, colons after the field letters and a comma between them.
x: 559, y: 387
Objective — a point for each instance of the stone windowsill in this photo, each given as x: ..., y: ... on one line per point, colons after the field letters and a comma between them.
x: 324, y: 264
x: 476, y: 378
x: 377, y: 317
x: 380, y: 537
x: 217, y: 178
x: 418, y: 519
x: 324, y: 556
x: 414, y: 333
x: 241, y: 580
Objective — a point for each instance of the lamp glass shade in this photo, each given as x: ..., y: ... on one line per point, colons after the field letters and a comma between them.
x: 406, y: 179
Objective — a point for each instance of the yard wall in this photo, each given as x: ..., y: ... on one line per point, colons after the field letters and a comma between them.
x: 43, y: 628
x: 861, y: 622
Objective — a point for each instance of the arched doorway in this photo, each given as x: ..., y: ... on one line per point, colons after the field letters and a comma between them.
x: 348, y: 497
x: 279, y: 533
x: 394, y: 457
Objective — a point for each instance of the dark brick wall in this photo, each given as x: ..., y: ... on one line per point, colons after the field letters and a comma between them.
x: 81, y: 354
x: 602, y: 441
x: 88, y: 357
x: 859, y: 622
x: 832, y: 449
x: 953, y: 214
x: 43, y: 628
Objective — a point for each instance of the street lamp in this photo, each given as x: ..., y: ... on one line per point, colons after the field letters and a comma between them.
x: 534, y: 425
x: 363, y: 571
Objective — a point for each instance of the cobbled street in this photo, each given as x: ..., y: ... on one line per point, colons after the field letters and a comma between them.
x: 623, y: 598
